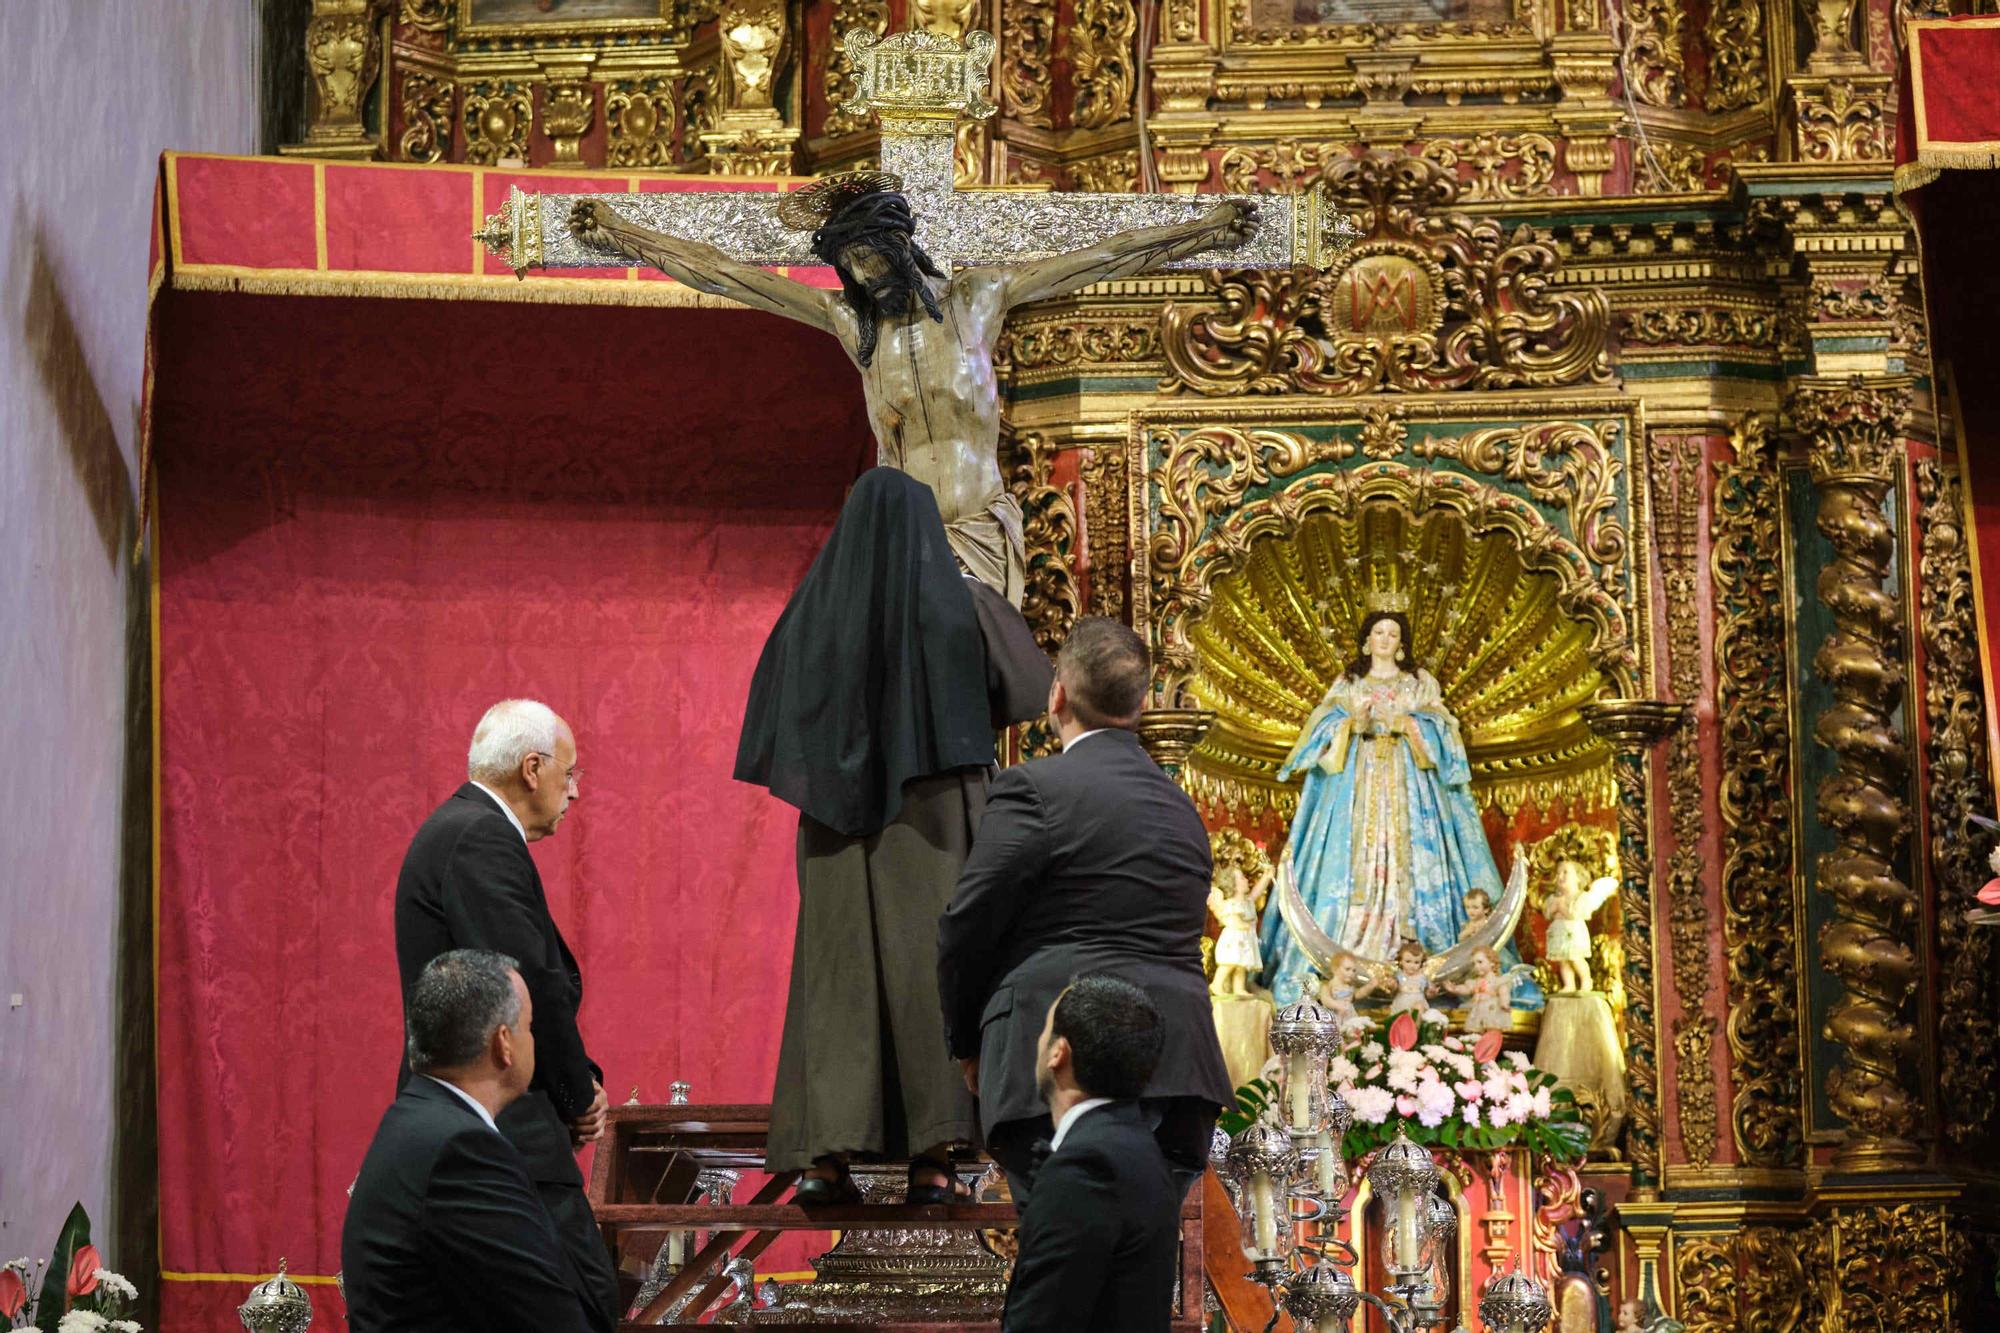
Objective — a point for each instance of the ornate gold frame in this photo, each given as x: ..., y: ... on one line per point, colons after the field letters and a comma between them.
x: 672, y: 18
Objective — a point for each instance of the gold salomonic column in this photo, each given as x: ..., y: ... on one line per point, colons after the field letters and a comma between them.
x: 1851, y: 429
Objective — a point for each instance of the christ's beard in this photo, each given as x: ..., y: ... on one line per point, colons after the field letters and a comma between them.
x: 891, y: 295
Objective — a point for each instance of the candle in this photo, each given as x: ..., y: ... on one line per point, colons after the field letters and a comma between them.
x: 1298, y: 1086
x: 1408, y: 1238
x: 676, y: 1248
x: 1263, y: 1206
x: 1331, y: 1186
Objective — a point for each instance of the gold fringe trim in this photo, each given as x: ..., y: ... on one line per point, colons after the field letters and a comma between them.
x: 1961, y: 159
x: 444, y: 287
x: 1914, y: 176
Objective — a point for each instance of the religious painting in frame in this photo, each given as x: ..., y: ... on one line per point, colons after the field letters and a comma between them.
x: 548, y: 18
x: 1310, y: 16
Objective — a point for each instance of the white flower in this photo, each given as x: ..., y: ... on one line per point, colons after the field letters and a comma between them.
x: 1454, y: 1043
x: 1461, y: 1063
x: 1342, y: 1070
x: 1403, y: 1079
x: 1434, y: 1103
x: 116, y: 1285
x: 83, y: 1321
x: 1519, y: 1105
x: 1371, y: 1105
x: 1518, y: 1060
x: 1994, y: 860
x: 126, y: 1326
x: 1433, y: 1051
x: 1437, y: 1016
x: 1470, y: 1114
x: 1496, y: 1114
x: 1541, y: 1103
x: 1497, y: 1087
x: 1371, y: 1052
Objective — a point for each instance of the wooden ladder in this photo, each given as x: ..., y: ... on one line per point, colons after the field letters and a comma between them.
x: 645, y: 1172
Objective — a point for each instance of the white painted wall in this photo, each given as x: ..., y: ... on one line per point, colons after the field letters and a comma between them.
x: 93, y: 91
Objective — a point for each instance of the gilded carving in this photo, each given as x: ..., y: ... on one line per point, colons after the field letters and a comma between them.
x: 426, y: 118
x: 1423, y: 303
x: 427, y: 15
x: 340, y: 52
x: 639, y: 122
x: 1677, y: 488
x: 1747, y: 1281
x: 1889, y: 1266
x: 1109, y: 173
x: 1841, y: 120
x: 1653, y: 62
x: 1705, y: 1272
x: 1184, y: 20
x: 950, y: 19
x: 1288, y: 162
x: 1488, y: 157
x: 1027, y: 41
x: 752, y: 36
x: 1754, y: 747
x: 1959, y: 788
x: 1633, y: 726
x: 568, y: 106
x: 1042, y: 344
x: 837, y: 67
x: 1050, y: 602
x: 1566, y: 463
x: 1851, y: 432
x: 1666, y: 167
x: 1101, y: 62
x: 1700, y: 326
x: 496, y: 117
x: 1734, y: 34
x: 1106, y: 527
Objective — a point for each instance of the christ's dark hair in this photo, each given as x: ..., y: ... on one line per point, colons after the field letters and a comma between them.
x: 1114, y: 1035
x: 1103, y: 666
x: 1358, y: 668
x: 459, y: 1000
x: 880, y: 220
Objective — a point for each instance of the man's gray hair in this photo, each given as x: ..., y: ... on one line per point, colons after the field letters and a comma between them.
x: 460, y: 1000
x: 512, y: 730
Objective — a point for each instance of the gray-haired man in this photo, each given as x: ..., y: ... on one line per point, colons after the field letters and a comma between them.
x: 444, y: 1228
x: 468, y: 883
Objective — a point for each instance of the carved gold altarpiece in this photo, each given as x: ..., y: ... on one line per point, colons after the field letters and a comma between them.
x: 1629, y: 269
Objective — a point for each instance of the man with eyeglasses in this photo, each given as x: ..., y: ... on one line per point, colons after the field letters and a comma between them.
x: 468, y: 883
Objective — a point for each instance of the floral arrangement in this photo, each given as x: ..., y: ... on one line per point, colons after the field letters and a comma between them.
x: 78, y: 1294
x: 1440, y: 1089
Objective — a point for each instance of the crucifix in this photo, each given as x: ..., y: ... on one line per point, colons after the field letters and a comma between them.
x: 928, y: 272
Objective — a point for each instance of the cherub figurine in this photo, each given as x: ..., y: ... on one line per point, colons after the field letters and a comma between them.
x: 1569, y: 906
x: 1337, y: 991
x: 1490, y: 993
x: 1478, y: 906
x: 1237, y: 955
x: 1411, y: 980
x: 1639, y: 1316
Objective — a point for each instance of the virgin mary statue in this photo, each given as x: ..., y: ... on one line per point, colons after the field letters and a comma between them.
x: 1387, y: 842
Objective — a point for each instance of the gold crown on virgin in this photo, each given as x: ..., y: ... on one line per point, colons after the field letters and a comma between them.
x: 1387, y: 601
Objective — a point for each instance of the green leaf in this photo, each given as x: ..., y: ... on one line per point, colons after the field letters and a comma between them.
x: 75, y: 1234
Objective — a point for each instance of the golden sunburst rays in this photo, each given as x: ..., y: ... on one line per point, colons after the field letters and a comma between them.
x: 1513, y: 667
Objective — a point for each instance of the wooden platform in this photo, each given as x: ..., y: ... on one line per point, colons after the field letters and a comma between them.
x: 646, y: 1169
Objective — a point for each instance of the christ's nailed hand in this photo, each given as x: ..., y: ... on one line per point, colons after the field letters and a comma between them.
x: 586, y: 221
x: 1233, y: 223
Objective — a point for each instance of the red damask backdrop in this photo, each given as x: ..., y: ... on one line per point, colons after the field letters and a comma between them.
x: 374, y: 518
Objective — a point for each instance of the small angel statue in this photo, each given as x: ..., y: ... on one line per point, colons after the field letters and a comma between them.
x: 1410, y: 980
x: 1641, y: 1316
x: 1338, y: 990
x: 1233, y: 899
x: 1489, y: 992
x: 1568, y: 906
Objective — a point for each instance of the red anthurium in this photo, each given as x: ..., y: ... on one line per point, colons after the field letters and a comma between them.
x: 1403, y: 1032
x: 13, y: 1294
x: 1990, y: 895
x: 83, y: 1268
x: 1488, y: 1047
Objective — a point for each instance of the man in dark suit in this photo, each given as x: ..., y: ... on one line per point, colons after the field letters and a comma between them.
x: 1092, y: 860
x: 1099, y: 1234
x: 444, y: 1230
x: 468, y: 883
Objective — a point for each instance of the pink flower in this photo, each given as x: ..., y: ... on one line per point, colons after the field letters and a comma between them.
x: 1488, y: 1046
x: 1471, y: 1090
x: 83, y: 1268
x: 1406, y: 1106
x: 13, y: 1294
x: 1403, y: 1032
x: 1990, y: 894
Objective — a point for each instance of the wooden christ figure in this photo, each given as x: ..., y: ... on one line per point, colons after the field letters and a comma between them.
x: 922, y: 339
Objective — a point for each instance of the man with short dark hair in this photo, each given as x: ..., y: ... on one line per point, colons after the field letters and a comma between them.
x: 1092, y: 860
x: 468, y: 882
x: 1098, y: 1235
x: 444, y: 1229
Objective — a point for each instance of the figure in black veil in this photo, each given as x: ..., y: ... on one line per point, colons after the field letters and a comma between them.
x: 873, y: 710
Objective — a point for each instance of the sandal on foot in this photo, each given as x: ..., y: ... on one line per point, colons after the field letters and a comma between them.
x: 819, y: 1192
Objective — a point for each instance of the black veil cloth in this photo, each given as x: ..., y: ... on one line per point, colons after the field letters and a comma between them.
x: 877, y: 672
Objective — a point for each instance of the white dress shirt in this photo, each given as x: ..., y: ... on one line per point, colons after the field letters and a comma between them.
x: 1075, y: 1113
x: 505, y: 808
x: 471, y: 1101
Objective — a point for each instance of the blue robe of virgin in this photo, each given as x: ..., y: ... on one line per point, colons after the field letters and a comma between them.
x: 1387, y: 840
